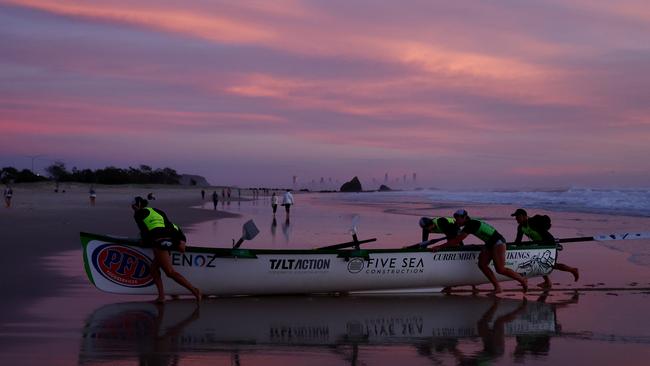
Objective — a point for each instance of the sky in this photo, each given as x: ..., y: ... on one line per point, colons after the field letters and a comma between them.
x: 466, y: 94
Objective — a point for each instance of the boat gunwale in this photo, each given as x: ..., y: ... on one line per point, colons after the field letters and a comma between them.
x: 86, y: 237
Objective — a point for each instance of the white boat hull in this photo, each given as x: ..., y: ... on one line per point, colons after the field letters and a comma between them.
x: 122, y: 266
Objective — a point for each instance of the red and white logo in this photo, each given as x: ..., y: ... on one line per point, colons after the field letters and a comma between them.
x: 123, y: 265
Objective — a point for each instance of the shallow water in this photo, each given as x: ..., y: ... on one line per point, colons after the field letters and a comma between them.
x: 583, y: 322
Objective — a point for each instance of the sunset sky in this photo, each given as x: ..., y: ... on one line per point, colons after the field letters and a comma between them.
x: 475, y: 94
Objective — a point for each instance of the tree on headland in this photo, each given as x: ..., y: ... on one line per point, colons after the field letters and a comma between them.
x: 112, y: 175
x: 10, y: 174
x: 58, y: 172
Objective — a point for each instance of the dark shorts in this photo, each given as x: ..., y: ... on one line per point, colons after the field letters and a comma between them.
x: 496, y: 239
x: 287, y: 207
x: 166, y: 244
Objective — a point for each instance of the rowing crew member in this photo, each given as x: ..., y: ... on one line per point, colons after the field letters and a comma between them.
x: 440, y: 225
x: 437, y: 225
x: 539, y: 234
x: 159, y: 233
x: 495, y: 249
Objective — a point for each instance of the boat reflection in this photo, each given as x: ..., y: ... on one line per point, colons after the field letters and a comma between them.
x: 431, y: 326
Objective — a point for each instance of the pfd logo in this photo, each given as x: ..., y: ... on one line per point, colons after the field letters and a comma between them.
x: 122, y: 265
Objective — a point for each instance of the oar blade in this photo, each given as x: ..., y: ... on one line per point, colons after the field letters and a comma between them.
x: 249, y: 231
x: 622, y: 236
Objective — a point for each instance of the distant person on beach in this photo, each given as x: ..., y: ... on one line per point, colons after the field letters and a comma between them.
x: 287, y: 201
x: 536, y: 230
x: 158, y: 232
x: 274, y: 203
x: 8, y: 193
x: 215, y: 199
x: 202, y: 194
x: 151, y: 197
x: 494, y: 250
x: 93, y: 196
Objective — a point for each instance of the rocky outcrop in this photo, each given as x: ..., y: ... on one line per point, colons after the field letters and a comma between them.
x: 352, y: 186
x: 384, y: 188
x: 193, y: 180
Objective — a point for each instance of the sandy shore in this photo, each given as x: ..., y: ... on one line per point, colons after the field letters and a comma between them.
x: 42, y: 223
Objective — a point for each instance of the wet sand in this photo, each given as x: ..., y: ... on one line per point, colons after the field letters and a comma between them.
x: 56, y: 308
x: 41, y: 224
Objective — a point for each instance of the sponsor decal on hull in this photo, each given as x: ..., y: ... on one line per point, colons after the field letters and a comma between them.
x: 387, y: 266
x: 122, y: 265
x: 298, y: 265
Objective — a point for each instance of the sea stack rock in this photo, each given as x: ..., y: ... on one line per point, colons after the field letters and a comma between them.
x: 352, y: 186
x: 384, y: 188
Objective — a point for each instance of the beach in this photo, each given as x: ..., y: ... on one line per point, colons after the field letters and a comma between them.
x: 50, y: 303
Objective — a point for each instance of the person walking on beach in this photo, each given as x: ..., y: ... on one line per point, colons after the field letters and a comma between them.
x: 535, y: 229
x: 494, y: 250
x: 203, y: 195
x: 274, y: 203
x: 93, y: 196
x: 158, y: 232
x: 287, y: 201
x: 215, y: 199
x: 8, y: 193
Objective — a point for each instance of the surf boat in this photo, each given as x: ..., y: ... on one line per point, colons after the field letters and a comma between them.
x: 122, y: 265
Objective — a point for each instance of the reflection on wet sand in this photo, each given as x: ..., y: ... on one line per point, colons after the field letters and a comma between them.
x: 434, y: 326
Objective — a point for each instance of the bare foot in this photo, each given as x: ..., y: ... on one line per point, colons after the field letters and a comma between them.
x: 160, y: 300
x: 497, y: 290
x: 446, y: 290
x: 576, y: 274
x: 474, y: 289
x: 197, y: 294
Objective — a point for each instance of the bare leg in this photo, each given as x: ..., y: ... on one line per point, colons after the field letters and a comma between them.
x: 483, y: 261
x: 563, y: 267
x: 162, y: 257
x: 499, y: 257
x: 546, y: 284
x: 157, y: 280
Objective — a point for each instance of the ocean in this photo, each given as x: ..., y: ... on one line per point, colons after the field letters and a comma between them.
x: 629, y: 202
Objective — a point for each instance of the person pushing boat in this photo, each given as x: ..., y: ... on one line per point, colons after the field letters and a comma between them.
x: 158, y: 232
x: 494, y: 251
x: 538, y: 231
x: 438, y: 225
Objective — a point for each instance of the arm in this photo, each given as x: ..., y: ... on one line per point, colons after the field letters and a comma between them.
x: 139, y: 217
x: 425, y: 234
x: 520, y: 234
x: 451, y: 242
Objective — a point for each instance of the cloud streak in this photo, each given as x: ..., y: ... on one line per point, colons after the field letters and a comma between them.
x: 468, y: 84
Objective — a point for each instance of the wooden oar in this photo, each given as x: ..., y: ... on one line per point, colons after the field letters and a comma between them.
x: 600, y: 237
x: 354, y: 243
x: 424, y: 244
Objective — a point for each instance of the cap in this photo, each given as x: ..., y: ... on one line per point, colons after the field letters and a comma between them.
x: 520, y: 211
x: 425, y: 221
x: 460, y: 212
